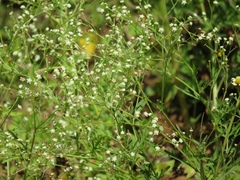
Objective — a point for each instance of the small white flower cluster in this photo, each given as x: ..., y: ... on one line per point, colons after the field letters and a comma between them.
x: 111, y: 159
x: 174, y: 27
x: 213, y: 36
x: 154, y: 122
x: 156, y: 129
x: 119, y: 12
x: 146, y: 114
x: 176, y: 141
x: 184, y: 2
x: 137, y: 114
x: 157, y: 148
x: 94, y: 178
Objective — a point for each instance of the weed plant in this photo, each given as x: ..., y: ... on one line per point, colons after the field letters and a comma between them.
x: 79, y: 99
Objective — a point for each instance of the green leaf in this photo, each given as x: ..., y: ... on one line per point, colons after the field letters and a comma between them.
x: 165, y: 167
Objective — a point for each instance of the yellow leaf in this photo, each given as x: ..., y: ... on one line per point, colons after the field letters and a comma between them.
x: 88, y: 43
x: 63, y: 176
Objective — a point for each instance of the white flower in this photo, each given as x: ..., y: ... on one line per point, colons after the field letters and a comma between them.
x: 38, y: 76
x: 137, y: 114
x: 174, y: 29
x: 154, y: 125
x: 161, y: 30
x: 29, y: 80
x: 114, y: 158
x: 184, y: 2
x: 147, y: 6
x: 156, y: 132
x: 141, y: 16
x: 227, y: 99
x: 146, y: 114
x: 155, y: 120
x: 138, y: 7
x: 19, y: 106
x: 52, y: 131
x: 174, y: 141
x: 89, y: 128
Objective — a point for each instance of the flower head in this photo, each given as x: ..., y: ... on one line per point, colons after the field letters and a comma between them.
x: 236, y: 81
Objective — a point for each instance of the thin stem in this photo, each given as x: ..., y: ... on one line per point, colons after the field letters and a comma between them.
x: 230, y: 126
x: 8, y: 170
x: 225, y: 142
x: 32, y: 144
x: 164, y: 18
x: 34, y: 133
x: 9, y: 112
x: 202, y: 6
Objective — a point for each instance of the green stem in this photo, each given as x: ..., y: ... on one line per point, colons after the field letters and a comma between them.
x: 231, y: 124
x: 164, y: 16
x: 225, y: 142
x: 202, y: 6
x: 165, y: 21
x: 34, y: 134
x: 8, y: 170
x: 32, y: 144
x: 9, y: 112
x: 184, y: 109
x: 214, y: 96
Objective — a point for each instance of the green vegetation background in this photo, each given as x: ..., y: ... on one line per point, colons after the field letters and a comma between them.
x: 119, y: 89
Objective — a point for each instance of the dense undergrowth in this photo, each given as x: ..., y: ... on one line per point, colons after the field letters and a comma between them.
x: 129, y: 89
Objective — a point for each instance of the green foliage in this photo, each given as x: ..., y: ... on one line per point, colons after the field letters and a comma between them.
x: 119, y: 89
